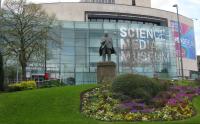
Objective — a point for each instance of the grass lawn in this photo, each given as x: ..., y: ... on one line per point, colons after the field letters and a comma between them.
x: 58, y: 106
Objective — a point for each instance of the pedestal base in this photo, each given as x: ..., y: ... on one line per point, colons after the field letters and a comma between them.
x: 106, y: 72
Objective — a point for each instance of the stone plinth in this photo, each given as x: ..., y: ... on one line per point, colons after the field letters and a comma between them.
x: 106, y: 71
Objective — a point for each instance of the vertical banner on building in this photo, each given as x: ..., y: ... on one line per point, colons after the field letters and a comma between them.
x: 187, y: 40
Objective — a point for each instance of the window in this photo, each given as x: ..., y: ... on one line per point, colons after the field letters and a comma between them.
x: 93, y: 20
x: 133, y: 2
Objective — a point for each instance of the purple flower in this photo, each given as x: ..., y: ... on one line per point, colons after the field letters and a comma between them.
x: 172, y: 101
x: 198, y: 90
x: 134, y: 110
x: 133, y: 104
x: 130, y: 104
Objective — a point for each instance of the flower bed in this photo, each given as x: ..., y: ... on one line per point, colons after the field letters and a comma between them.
x: 174, y: 104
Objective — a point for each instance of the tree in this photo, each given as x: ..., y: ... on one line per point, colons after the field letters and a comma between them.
x: 26, y: 29
x: 134, y: 56
x: 1, y: 73
x: 130, y: 47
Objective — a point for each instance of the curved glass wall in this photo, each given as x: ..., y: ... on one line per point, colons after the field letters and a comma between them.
x: 144, y: 49
x: 99, y: 1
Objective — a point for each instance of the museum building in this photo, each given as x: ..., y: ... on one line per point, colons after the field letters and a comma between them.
x: 146, y: 40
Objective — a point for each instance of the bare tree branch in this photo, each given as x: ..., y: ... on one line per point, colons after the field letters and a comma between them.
x: 24, y: 30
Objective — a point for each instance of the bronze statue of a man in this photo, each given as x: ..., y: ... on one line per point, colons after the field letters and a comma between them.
x: 106, y: 47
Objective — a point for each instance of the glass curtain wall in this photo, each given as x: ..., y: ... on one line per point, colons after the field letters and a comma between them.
x: 99, y: 1
x: 141, y: 48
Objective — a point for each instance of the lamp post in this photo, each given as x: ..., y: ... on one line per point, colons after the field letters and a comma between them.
x: 180, y: 44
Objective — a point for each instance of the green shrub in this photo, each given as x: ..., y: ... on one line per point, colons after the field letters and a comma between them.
x: 121, y: 96
x: 52, y: 83
x: 24, y: 85
x: 185, y: 83
x: 137, y: 87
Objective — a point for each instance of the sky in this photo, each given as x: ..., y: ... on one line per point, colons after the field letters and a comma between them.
x: 188, y: 8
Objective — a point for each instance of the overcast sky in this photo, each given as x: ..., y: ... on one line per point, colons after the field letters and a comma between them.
x: 189, y: 8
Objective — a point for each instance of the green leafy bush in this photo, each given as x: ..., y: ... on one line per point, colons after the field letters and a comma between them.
x: 183, y: 82
x: 137, y: 87
x: 52, y: 83
x: 24, y: 85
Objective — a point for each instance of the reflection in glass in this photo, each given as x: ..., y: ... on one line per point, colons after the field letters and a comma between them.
x: 143, y: 49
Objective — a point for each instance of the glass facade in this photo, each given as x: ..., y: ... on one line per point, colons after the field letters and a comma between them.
x: 99, y: 1
x: 121, y: 21
x: 141, y: 48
